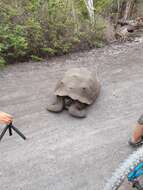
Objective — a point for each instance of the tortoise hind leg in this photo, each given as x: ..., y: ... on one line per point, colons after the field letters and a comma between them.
x: 57, y: 105
x: 78, y: 110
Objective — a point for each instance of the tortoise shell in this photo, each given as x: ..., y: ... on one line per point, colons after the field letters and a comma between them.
x: 79, y: 84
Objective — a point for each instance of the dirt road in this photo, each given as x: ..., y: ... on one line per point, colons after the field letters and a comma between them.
x: 64, y: 153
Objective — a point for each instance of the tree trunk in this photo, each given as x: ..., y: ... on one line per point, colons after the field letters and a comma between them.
x: 118, y: 14
x: 128, y: 9
x: 74, y: 16
x: 90, y: 8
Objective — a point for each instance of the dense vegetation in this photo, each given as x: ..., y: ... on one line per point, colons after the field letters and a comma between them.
x: 40, y: 28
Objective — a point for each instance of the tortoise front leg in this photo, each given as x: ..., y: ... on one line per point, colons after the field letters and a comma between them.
x: 78, y: 110
x: 57, y: 105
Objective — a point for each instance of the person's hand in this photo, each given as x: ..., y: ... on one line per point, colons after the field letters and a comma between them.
x: 5, y: 118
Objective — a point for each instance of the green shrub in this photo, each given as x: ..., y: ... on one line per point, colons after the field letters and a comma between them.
x: 41, y: 28
x: 13, y: 43
x: 2, y: 62
x: 36, y: 58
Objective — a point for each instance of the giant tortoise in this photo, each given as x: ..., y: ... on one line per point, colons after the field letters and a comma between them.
x: 77, y: 90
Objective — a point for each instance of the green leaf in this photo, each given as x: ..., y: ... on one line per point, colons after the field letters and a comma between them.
x: 36, y: 58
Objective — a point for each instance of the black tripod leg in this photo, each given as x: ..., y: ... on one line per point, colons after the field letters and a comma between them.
x: 3, y: 132
x: 10, y: 131
x: 17, y: 131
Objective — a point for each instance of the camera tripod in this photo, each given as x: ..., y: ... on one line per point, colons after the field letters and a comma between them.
x: 11, y: 127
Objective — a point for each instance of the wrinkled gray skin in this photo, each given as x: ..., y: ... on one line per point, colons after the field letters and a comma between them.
x: 75, y: 108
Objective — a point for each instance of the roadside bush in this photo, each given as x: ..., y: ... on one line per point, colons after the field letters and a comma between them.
x: 40, y: 28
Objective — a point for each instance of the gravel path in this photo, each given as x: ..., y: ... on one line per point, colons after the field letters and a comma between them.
x: 61, y: 152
